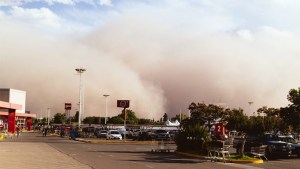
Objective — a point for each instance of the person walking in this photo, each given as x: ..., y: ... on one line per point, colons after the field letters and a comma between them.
x: 45, y: 130
x: 18, y: 130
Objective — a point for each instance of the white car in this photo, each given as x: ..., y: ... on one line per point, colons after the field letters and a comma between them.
x: 113, y: 134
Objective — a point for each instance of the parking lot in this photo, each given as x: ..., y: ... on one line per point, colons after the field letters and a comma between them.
x: 134, y: 156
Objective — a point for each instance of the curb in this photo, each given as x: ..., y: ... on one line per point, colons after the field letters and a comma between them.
x: 258, y: 161
x: 112, y: 141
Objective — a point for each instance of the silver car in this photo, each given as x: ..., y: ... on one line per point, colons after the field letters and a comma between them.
x: 113, y: 135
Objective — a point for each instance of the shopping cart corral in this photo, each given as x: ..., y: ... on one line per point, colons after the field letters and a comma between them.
x: 163, y: 146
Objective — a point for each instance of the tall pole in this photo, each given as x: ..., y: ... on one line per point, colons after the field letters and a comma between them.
x: 124, y: 124
x: 105, y: 95
x: 48, y: 115
x: 80, y: 71
x: 250, y: 103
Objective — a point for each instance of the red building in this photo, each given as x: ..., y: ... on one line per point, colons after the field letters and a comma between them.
x: 12, y: 110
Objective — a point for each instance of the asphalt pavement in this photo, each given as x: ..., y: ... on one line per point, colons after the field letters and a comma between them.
x: 27, y: 153
x: 32, y: 151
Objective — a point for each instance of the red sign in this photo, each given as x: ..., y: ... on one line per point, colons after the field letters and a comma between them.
x: 68, y: 106
x: 219, y: 128
x: 123, y: 103
x: 1, y: 126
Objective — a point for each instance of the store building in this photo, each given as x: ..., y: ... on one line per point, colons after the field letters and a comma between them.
x: 13, y: 110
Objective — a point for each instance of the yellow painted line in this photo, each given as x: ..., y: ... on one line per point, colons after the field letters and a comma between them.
x: 258, y: 161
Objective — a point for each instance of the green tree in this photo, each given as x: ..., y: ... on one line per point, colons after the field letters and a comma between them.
x: 165, y: 117
x: 271, y: 119
x: 291, y: 113
x: 145, y: 121
x: 91, y: 120
x: 236, y: 120
x: 59, y: 118
x: 179, y: 117
x: 75, y: 117
x: 130, y: 117
x: 115, y: 120
x: 206, y: 114
x: 192, y: 137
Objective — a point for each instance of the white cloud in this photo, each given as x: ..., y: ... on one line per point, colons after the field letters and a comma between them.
x: 246, y: 34
x: 10, y: 2
x: 39, y: 17
x: 52, y: 2
x: 66, y: 2
x: 106, y: 2
x: 268, y: 30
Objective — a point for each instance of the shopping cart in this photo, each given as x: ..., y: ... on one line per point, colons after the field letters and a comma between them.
x: 162, y: 146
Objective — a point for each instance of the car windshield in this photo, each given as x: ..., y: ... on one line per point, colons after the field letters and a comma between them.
x: 104, y: 131
x: 270, y: 137
x: 287, y: 139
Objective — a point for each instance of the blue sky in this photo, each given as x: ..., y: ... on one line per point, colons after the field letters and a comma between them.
x: 170, y: 52
x: 228, y: 15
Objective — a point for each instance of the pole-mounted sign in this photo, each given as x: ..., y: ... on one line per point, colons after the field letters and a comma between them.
x: 68, y: 106
x: 123, y: 103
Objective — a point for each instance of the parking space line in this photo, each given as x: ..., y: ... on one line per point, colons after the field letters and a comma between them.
x: 146, y: 165
x: 240, y: 166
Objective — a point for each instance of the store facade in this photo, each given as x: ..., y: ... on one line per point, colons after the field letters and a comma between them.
x: 12, y: 110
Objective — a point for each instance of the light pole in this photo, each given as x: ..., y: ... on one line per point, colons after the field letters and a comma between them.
x: 48, y: 115
x: 80, y: 71
x: 250, y: 103
x: 105, y: 95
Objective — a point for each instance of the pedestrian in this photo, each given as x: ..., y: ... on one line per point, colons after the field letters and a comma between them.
x: 18, y: 130
x: 45, y: 131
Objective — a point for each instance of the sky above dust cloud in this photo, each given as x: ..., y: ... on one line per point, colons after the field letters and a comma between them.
x: 161, y: 55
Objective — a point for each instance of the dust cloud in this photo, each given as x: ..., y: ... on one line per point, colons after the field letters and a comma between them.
x: 161, y: 67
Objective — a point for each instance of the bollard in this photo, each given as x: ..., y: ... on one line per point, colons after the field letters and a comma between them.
x: 1, y: 137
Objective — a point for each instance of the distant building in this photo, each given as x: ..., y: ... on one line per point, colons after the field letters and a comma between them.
x: 13, y: 110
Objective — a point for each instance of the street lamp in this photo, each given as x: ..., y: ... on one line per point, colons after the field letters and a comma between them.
x: 250, y: 103
x: 105, y: 95
x: 80, y: 71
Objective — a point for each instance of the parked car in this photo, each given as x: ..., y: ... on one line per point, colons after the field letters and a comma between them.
x: 294, y: 145
x: 173, y: 134
x: 113, y: 134
x: 162, y: 134
x: 88, y: 131
x: 102, y: 134
x: 135, y: 134
x: 146, y: 135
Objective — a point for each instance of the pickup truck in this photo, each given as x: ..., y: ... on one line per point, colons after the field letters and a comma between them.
x: 275, y: 147
x: 293, y: 144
